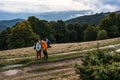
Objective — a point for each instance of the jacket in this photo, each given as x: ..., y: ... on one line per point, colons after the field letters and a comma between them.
x: 44, y: 45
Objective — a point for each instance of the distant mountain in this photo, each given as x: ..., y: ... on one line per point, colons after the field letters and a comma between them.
x: 64, y: 15
x: 50, y: 16
x: 10, y: 19
x: 8, y: 23
x: 90, y: 19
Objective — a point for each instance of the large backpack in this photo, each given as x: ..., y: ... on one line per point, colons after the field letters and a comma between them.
x: 48, y: 43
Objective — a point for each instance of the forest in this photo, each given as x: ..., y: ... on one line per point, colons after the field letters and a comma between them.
x: 25, y: 33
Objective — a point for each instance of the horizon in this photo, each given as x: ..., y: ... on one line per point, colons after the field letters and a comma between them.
x: 54, y: 20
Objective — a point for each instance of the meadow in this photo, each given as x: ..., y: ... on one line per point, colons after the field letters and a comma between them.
x: 21, y: 63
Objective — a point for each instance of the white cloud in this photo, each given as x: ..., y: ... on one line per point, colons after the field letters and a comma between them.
x: 38, y: 6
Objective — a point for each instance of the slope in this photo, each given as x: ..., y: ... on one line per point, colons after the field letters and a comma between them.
x: 8, y: 23
x: 89, y: 19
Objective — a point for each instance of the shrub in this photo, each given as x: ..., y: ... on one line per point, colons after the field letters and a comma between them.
x: 99, y: 65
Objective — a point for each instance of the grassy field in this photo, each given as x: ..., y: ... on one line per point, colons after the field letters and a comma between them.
x: 21, y: 64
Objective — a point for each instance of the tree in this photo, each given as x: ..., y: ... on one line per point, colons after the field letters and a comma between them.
x: 3, y: 37
x: 33, y: 22
x: 110, y: 24
x: 70, y: 27
x: 114, y: 31
x: 72, y: 36
x: 53, y: 25
x: 43, y: 29
x: 78, y: 29
x: 102, y: 34
x: 90, y: 34
x: 61, y: 34
x: 21, y: 35
x: 84, y: 26
x: 118, y: 23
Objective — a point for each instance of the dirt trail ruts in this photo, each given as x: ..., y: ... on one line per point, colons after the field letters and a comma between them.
x: 25, y: 70
x: 45, y: 75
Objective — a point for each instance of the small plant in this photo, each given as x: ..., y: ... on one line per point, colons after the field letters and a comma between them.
x: 99, y: 65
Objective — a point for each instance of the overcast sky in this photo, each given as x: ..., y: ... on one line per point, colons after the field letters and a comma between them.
x: 38, y: 6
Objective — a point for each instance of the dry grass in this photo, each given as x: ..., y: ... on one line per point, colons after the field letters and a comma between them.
x: 58, y: 48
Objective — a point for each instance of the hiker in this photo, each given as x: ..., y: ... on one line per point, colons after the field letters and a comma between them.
x: 44, y: 48
x: 38, y: 49
x: 48, y: 43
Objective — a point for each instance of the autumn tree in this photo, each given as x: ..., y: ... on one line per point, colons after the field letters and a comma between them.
x: 21, y: 36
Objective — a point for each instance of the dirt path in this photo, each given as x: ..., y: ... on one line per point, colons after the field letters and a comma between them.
x: 24, y: 72
x: 46, y: 75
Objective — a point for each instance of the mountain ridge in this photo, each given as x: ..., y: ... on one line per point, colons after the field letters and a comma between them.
x: 90, y: 19
x: 8, y: 23
x: 50, y: 16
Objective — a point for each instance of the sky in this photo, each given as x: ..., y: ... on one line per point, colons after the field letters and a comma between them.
x: 41, y: 6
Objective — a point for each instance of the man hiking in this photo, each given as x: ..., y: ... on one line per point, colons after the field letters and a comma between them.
x: 44, y: 48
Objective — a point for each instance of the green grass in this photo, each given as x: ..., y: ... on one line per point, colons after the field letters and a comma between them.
x: 56, y: 58
x: 31, y: 60
x: 28, y: 59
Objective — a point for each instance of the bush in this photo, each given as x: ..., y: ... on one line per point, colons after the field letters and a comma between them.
x: 99, y: 65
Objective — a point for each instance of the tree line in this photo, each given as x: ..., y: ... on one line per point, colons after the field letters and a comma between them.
x: 25, y: 33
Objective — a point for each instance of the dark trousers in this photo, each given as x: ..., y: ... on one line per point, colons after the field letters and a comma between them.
x: 38, y: 54
x: 45, y: 54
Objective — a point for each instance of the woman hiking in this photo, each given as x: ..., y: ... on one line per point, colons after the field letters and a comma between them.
x: 38, y: 49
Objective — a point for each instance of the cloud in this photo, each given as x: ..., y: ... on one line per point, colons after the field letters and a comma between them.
x: 40, y: 6
x: 111, y: 5
x: 111, y: 2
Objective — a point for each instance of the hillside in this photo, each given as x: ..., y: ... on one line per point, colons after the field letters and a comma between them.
x: 21, y: 64
x: 90, y: 19
x: 8, y: 23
